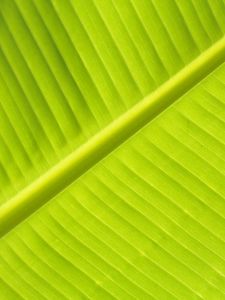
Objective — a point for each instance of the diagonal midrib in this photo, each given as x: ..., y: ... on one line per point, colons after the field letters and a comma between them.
x: 82, y: 159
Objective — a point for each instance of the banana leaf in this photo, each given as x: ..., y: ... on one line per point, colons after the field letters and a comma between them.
x: 112, y: 149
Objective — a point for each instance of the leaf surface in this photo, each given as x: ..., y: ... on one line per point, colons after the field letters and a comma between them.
x: 112, y: 135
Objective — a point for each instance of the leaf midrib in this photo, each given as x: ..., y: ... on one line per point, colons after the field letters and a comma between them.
x: 27, y: 201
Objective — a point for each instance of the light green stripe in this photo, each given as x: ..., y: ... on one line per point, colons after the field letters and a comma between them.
x: 77, y: 163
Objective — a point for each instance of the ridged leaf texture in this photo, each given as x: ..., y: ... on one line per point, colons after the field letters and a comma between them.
x: 112, y: 149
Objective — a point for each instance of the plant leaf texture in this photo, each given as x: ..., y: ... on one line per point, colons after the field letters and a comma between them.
x: 112, y: 149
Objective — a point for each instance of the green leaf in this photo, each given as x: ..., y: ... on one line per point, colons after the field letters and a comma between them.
x: 112, y: 130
